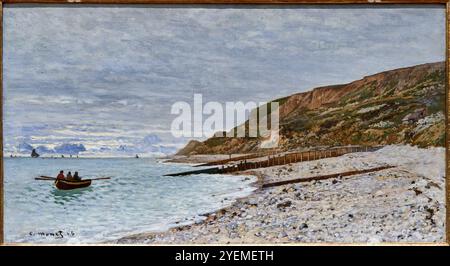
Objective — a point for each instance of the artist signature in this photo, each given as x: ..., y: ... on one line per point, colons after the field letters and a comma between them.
x: 55, y: 234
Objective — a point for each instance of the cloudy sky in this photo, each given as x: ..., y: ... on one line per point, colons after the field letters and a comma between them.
x: 106, y: 77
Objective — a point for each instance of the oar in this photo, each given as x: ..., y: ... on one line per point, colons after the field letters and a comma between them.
x: 45, y: 178
x: 100, y: 178
x: 52, y: 178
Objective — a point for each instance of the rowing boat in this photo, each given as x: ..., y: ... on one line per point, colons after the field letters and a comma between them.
x: 72, y: 184
x: 65, y: 184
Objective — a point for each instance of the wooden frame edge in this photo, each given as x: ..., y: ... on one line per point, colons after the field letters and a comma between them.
x: 2, y: 202
x: 235, y: 2
x: 447, y: 120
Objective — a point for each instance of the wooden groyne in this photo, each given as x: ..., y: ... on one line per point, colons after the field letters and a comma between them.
x: 214, y: 170
x: 282, y: 159
x: 237, y: 158
x: 322, y: 177
x: 295, y: 157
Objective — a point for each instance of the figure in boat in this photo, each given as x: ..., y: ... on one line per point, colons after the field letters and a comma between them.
x: 34, y: 154
x: 76, y: 176
x: 69, y: 176
x: 61, y: 175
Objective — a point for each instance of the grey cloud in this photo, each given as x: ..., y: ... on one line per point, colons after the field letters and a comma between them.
x: 123, y: 67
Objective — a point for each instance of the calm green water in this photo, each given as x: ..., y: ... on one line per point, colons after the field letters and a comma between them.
x: 137, y: 199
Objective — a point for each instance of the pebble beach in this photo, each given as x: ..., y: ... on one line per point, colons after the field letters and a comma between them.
x: 401, y: 204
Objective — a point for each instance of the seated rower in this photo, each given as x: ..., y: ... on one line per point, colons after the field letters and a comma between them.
x: 69, y: 176
x: 61, y: 175
x: 76, y: 177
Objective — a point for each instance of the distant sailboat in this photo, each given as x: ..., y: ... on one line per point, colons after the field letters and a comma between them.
x: 34, y: 154
x: 137, y: 156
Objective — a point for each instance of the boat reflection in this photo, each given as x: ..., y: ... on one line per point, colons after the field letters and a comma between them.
x: 66, y: 196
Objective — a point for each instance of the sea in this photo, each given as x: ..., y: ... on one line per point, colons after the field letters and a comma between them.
x: 138, y: 198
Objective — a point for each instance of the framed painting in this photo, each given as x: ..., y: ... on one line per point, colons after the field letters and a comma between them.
x: 212, y: 122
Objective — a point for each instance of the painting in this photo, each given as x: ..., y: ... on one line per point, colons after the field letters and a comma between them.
x: 224, y: 124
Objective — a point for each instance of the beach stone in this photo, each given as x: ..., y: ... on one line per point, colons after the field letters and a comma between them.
x: 297, y: 186
x: 198, y: 220
x: 303, y: 226
x: 289, y: 188
x: 284, y: 204
x: 282, y: 234
x: 252, y: 202
x: 232, y: 226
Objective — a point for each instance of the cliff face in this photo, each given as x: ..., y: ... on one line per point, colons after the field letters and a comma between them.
x: 369, y: 111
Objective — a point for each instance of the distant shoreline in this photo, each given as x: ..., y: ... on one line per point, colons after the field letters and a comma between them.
x: 82, y: 157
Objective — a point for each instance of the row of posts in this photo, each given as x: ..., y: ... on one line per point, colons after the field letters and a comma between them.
x: 294, y: 158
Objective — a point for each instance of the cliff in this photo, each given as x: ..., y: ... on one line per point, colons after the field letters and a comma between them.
x: 369, y: 111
